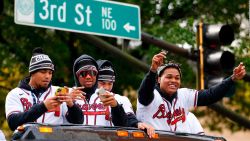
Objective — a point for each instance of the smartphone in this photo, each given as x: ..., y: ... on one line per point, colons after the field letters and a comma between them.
x: 163, y: 50
x: 62, y: 90
x: 100, y: 93
x: 166, y: 52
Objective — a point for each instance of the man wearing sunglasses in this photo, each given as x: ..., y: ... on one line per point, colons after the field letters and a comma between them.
x: 85, y: 72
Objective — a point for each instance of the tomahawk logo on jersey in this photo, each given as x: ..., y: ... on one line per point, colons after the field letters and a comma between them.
x: 95, y: 113
x: 164, y: 115
x: 21, y: 100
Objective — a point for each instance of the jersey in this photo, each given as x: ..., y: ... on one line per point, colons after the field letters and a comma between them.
x: 95, y: 113
x: 126, y: 104
x: 163, y: 115
x: 194, y: 124
x: 21, y: 100
x: 2, y: 137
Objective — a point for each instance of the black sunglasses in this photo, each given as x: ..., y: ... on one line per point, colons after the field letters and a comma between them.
x: 84, y: 73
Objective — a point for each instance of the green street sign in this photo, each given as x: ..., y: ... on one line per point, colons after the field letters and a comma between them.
x: 99, y: 17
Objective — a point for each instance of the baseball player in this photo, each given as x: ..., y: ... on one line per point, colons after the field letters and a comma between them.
x: 106, y: 80
x: 165, y: 105
x: 85, y: 71
x: 34, y: 99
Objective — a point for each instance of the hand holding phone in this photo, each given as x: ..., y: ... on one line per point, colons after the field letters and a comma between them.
x: 77, y: 93
x: 101, y: 93
x: 107, y: 98
x: 61, y: 91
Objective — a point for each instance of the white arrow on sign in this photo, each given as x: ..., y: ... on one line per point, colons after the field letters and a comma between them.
x: 128, y: 27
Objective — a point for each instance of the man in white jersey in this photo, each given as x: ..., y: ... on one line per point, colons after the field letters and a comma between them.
x: 165, y: 105
x: 85, y: 72
x: 106, y: 79
x: 34, y: 99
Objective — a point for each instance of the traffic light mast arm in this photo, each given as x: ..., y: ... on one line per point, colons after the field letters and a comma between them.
x: 201, y: 57
x: 147, y: 38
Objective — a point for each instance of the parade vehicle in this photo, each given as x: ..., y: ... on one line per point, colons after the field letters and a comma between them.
x: 74, y: 132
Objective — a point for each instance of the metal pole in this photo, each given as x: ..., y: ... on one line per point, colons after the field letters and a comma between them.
x: 168, y: 46
x: 230, y: 114
x: 201, y: 57
x: 98, y: 42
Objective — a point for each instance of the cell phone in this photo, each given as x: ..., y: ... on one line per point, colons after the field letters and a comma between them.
x: 100, y: 93
x: 62, y: 90
x: 163, y: 50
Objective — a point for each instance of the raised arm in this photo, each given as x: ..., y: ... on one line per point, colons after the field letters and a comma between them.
x: 217, y: 92
x: 145, y: 92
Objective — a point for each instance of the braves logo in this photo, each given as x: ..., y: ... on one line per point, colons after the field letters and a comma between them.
x: 26, y: 104
x: 94, y: 106
x: 161, y: 113
x: 178, y: 115
x: 102, y: 110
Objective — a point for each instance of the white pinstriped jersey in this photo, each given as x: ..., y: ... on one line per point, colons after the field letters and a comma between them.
x: 163, y: 115
x: 126, y: 104
x: 2, y: 136
x: 21, y: 100
x: 194, y: 124
x: 95, y: 113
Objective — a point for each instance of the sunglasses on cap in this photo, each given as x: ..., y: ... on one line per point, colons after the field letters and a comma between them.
x: 84, y: 73
x: 170, y: 64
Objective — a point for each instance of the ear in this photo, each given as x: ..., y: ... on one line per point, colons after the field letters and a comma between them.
x: 159, y: 79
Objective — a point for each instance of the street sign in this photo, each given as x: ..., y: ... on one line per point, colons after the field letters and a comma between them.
x: 99, y: 17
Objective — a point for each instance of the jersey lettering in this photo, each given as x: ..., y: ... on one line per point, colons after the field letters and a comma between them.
x: 95, y: 106
x: 178, y: 115
x: 161, y: 113
x: 26, y: 104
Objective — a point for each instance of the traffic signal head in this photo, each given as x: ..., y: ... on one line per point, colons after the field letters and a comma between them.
x: 216, y: 35
x: 216, y: 61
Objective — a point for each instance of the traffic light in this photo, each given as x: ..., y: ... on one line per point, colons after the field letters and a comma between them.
x: 214, y: 63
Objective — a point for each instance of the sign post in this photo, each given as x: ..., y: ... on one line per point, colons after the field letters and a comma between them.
x: 96, y: 17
